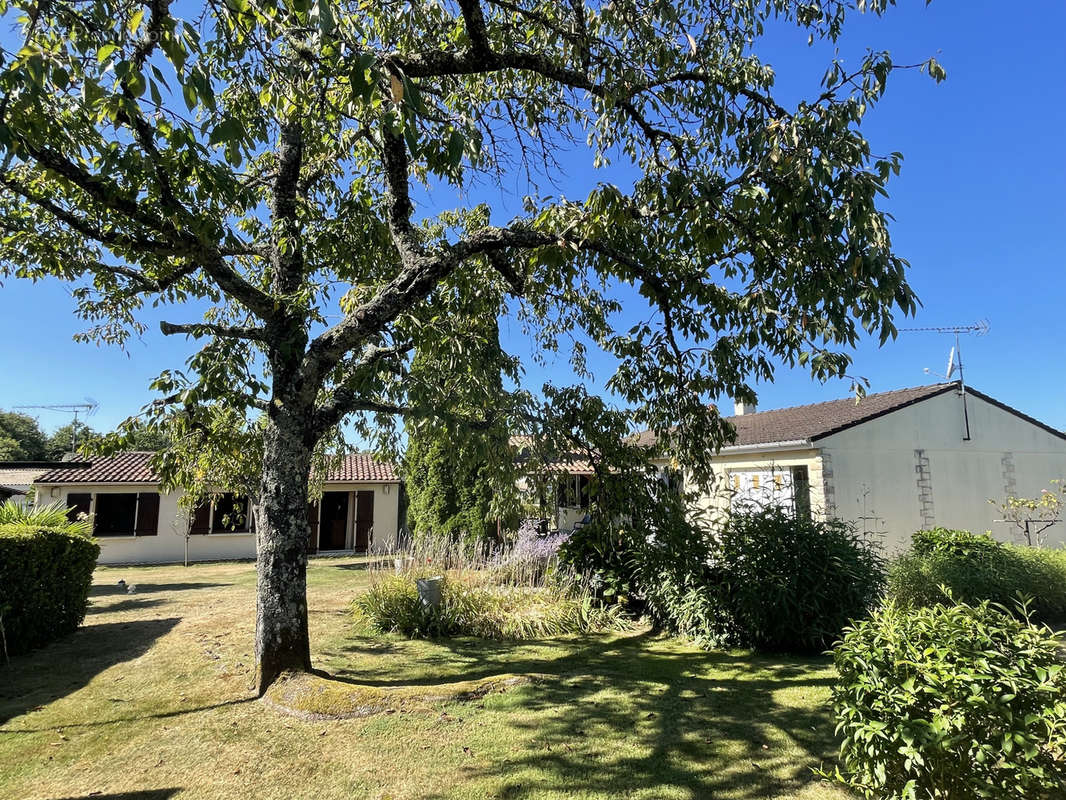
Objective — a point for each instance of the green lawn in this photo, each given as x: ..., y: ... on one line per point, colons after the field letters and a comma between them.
x: 151, y: 699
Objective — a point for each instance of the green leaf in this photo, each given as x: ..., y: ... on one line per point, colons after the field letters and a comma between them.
x: 135, y: 20
x: 456, y: 143
x: 105, y: 52
x: 189, y: 93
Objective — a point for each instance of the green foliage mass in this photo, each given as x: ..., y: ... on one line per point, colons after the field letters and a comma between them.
x: 775, y: 582
x: 945, y: 566
x: 951, y: 702
x: 450, y: 497
x: 255, y: 157
x: 52, y: 516
x: 21, y: 438
x: 45, y: 576
x: 459, y: 479
x: 62, y: 441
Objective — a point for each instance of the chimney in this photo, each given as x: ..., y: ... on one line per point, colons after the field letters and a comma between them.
x: 740, y: 408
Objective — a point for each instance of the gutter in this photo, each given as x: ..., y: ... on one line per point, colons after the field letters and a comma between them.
x: 767, y: 447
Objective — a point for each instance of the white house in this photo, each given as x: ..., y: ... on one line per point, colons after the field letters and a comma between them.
x: 135, y: 522
x: 893, y: 462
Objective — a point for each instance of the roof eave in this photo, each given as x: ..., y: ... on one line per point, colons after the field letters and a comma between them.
x: 767, y: 447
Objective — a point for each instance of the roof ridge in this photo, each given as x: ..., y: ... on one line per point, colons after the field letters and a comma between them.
x: 885, y: 393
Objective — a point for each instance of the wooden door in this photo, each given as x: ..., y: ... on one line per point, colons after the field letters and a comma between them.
x: 332, y: 532
x: 364, y: 520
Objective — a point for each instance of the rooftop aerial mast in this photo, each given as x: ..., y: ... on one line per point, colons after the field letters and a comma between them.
x: 979, y: 328
x: 88, y: 408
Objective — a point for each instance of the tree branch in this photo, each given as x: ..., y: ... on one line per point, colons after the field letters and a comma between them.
x: 200, y: 329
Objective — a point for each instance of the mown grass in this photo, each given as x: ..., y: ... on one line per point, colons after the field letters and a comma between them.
x: 152, y: 699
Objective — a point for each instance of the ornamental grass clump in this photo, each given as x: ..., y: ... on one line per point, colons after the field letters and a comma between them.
x: 518, y: 592
x: 951, y: 702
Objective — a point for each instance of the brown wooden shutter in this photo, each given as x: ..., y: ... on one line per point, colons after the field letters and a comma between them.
x: 78, y: 504
x: 147, y: 514
x: 364, y: 519
x: 312, y: 521
x: 201, y: 519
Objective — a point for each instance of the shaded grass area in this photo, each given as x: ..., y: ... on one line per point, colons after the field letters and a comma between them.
x: 153, y: 698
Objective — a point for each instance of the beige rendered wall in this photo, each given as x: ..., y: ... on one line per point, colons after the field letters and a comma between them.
x: 912, y: 469
x: 168, y: 545
x: 713, y: 499
x: 386, y: 512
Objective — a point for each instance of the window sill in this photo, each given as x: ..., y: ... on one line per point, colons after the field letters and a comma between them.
x: 220, y: 535
x: 122, y: 537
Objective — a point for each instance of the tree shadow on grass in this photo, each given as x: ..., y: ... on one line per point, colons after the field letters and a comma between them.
x: 64, y: 666
x: 359, y: 566
x: 617, y: 716
x: 130, y: 604
x: 105, y: 590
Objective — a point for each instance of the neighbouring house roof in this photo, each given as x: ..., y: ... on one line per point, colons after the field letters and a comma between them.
x: 564, y: 463
x: 812, y: 422
x: 134, y: 467
x: 363, y: 468
x: 20, y: 475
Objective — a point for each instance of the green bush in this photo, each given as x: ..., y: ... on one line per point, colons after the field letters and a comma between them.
x: 975, y: 567
x: 956, y: 543
x: 45, y: 577
x: 951, y: 702
x: 776, y: 583
x: 486, y: 611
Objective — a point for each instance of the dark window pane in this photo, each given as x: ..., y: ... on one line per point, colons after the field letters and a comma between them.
x: 231, y: 514
x: 201, y: 520
x: 147, y: 513
x: 78, y: 505
x: 584, y: 484
x: 801, y: 492
x: 114, y: 514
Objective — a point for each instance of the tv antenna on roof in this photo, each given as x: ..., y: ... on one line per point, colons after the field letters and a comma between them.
x: 979, y: 328
x: 88, y: 408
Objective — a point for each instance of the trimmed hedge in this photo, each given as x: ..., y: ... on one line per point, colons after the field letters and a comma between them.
x: 45, y: 577
x: 975, y: 567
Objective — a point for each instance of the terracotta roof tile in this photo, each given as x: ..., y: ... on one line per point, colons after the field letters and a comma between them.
x: 135, y: 467
x: 363, y: 468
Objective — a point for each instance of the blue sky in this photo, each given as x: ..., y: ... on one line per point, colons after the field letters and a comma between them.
x: 980, y: 212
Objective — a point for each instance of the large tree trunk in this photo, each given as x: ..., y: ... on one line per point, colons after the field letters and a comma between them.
x: 281, y: 638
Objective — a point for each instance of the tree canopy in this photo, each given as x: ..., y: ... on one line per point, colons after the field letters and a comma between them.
x: 21, y: 438
x: 278, y: 166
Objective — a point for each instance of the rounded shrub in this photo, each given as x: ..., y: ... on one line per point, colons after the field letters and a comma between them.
x: 45, y: 576
x: 779, y: 583
x: 951, y: 702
